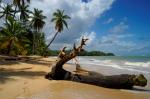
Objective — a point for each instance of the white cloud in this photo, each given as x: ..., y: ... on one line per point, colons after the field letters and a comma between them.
x: 116, y: 33
x: 110, y: 20
x: 91, y: 37
x: 121, y: 42
x: 120, y: 28
x: 83, y: 15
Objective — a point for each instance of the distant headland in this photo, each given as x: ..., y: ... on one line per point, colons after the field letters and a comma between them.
x: 83, y: 53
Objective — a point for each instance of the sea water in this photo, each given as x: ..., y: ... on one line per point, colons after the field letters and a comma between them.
x: 116, y: 64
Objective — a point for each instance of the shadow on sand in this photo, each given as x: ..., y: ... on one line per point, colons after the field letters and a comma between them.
x: 6, y: 74
x: 36, y: 61
x: 141, y: 89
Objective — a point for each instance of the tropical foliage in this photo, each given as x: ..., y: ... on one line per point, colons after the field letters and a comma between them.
x: 11, y: 37
x: 83, y: 53
x: 21, y: 33
x: 60, y: 21
x: 6, y: 11
x: 37, y: 23
x: 21, y: 29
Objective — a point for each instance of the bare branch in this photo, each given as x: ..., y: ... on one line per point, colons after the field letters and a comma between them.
x: 74, y: 52
x: 74, y: 47
x: 62, y: 53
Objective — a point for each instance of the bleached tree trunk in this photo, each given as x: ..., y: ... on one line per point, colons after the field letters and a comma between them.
x: 57, y: 71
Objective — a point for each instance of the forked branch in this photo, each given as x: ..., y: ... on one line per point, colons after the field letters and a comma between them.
x: 74, y: 52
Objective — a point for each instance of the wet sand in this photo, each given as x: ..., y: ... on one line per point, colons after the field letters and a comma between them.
x: 25, y: 80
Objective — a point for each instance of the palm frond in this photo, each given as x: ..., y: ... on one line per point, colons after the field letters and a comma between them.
x: 65, y: 23
x: 53, y: 19
x: 66, y: 17
x: 60, y: 19
x: 37, y: 21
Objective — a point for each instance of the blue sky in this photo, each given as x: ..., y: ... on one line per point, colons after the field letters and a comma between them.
x: 133, y: 13
x: 118, y: 26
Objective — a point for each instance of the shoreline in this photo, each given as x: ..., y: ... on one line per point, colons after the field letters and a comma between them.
x: 26, y: 79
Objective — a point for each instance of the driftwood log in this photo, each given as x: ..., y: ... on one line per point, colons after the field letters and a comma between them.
x: 123, y: 81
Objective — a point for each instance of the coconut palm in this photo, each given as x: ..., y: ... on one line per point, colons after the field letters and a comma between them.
x: 6, y: 11
x: 20, y: 2
x: 24, y: 12
x: 0, y: 3
x: 37, y: 23
x: 60, y: 21
x: 11, y: 37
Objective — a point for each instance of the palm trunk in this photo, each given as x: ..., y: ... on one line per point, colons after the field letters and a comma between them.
x: 40, y: 43
x: 6, y: 19
x: 50, y: 42
x: 33, y: 46
x: 9, y: 47
x: 23, y: 2
x: 15, y: 11
x: 35, y: 43
x: 38, y: 39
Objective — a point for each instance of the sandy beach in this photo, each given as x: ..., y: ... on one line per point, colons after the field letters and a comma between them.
x: 24, y: 79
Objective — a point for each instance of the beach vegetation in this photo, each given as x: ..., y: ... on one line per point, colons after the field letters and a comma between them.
x: 21, y: 32
x: 60, y: 21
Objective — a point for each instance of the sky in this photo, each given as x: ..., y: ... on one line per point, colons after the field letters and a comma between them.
x: 118, y: 26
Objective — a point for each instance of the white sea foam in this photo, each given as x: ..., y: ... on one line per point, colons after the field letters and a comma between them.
x: 107, y: 63
x: 142, y: 64
x: 125, y: 65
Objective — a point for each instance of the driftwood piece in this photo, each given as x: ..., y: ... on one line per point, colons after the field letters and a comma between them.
x: 124, y: 81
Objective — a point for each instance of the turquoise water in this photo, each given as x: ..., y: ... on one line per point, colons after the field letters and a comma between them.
x: 121, y: 58
x: 119, y: 64
x: 115, y: 65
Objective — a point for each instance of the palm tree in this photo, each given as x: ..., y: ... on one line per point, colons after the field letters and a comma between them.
x: 11, y: 37
x: 6, y: 11
x: 24, y: 12
x: 20, y: 2
x: 0, y: 1
x: 37, y: 23
x: 60, y: 20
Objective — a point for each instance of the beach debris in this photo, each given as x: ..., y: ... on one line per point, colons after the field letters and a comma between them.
x: 123, y: 81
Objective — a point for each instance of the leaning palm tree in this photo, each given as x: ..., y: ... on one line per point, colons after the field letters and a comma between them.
x: 11, y: 37
x: 60, y: 20
x: 37, y: 23
x: 6, y: 11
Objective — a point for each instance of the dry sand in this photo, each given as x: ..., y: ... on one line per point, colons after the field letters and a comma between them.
x: 25, y: 80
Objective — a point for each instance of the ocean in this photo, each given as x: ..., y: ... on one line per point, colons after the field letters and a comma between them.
x: 116, y: 64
